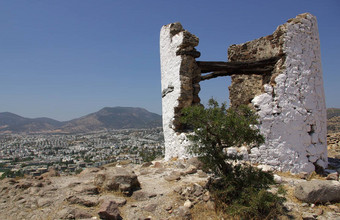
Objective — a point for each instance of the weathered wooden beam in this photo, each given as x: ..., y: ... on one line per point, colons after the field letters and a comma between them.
x: 229, y: 73
x: 231, y: 68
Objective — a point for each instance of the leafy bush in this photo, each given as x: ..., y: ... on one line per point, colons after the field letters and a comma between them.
x: 238, y: 188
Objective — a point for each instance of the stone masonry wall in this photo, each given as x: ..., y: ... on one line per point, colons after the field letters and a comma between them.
x: 290, y: 101
x: 180, y: 87
x: 245, y: 87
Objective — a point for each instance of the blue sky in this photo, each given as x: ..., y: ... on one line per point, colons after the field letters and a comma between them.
x: 67, y: 58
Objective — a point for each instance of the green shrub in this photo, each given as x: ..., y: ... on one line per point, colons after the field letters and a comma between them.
x: 11, y: 174
x: 78, y: 171
x: 281, y: 190
x: 216, y: 128
x: 149, y: 155
x: 239, y: 189
x: 255, y: 205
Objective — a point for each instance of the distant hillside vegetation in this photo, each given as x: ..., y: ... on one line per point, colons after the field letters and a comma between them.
x: 333, y: 124
x: 333, y: 120
x: 333, y: 112
x: 106, y: 118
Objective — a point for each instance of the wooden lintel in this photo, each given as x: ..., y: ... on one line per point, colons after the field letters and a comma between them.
x: 229, y: 73
x: 217, y: 69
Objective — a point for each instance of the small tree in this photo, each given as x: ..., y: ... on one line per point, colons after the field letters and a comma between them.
x: 240, y: 188
x: 217, y: 128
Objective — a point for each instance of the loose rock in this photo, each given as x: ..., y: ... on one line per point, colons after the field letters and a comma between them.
x: 173, y: 176
x: 109, y: 210
x: 183, y: 212
x: 333, y: 176
x: 308, y: 216
x: 195, y: 162
x: 277, y: 179
x: 150, y: 207
x: 117, y: 178
x: 188, y: 204
x: 318, y: 191
x: 335, y: 208
x: 201, y: 174
x: 198, y: 190
x: 146, y: 164
x: 84, y: 200
x: 87, y: 189
x: 81, y: 214
x: 158, y: 165
x: 265, y: 168
x: 120, y: 201
x: 190, y: 170
x: 140, y: 195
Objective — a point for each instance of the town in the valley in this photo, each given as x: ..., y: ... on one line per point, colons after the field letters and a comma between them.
x: 35, y: 154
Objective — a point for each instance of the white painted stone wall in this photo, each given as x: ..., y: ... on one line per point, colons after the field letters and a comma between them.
x: 293, y: 112
x: 292, y: 109
x: 172, y: 37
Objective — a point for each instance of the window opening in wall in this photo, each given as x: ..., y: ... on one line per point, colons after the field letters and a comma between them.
x: 215, y: 88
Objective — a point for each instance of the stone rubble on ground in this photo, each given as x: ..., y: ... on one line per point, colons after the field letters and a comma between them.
x: 86, y: 195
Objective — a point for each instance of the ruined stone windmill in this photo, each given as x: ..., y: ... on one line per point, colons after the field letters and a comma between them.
x: 280, y: 75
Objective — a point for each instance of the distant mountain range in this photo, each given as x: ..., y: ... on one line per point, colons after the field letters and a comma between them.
x: 106, y: 118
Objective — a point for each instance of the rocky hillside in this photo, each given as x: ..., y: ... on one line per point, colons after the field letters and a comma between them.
x: 106, y: 118
x: 170, y: 190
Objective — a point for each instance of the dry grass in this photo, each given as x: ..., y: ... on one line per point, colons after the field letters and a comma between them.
x: 311, y: 176
x: 290, y: 195
x: 286, y: 174
x: 199, y: 211
x: 314, y: 175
